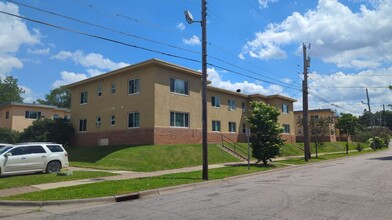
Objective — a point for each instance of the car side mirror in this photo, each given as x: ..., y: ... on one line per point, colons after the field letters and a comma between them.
x: 8, y: 154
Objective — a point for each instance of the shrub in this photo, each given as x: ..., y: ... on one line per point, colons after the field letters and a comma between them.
x: 378, y: 143
x: 8, y: 136
x: 359, y: 147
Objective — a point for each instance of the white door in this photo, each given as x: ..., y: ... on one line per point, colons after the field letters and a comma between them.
x: 17, y: 161
x: 37, y: 157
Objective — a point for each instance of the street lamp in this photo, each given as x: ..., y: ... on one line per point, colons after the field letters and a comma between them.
x: 190, y: 20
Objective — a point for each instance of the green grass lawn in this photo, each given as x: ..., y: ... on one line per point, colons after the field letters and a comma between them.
x: 146, y: 158
x: 327, y: 147
x: 7, y: 182
x: 112, y: 188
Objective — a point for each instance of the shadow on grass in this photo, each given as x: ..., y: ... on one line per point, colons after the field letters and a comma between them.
x: 251, y: 165
x: 93, y: 154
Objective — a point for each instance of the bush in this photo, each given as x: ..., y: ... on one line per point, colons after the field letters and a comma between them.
x: 378, y: 143
x: 8, y: 136
x: 359, y: 147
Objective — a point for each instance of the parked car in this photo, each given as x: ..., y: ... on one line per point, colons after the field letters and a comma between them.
x: 32, y: 157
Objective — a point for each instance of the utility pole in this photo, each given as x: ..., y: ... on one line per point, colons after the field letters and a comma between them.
x: 305, y: 105
x: 371, y: 119
x: 204, y: 87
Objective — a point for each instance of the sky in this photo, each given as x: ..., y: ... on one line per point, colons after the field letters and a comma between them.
x: 252, y: 45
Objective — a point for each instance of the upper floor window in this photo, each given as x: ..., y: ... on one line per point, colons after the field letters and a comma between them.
x: 32, y: 114
x: 244, y: 128
x: 113, y: 88
x: 113, y: 120
x: 56, y: 116
x: 82, y: 125
x: 215, y: 101
x: 99, y: 90
x: 285, y: 108
x: 83, y: 97
x: 243, y: 106
x: 216, y: 126
x: 179, y: 86
x: 179, y: 119
x: 286, y: 128
x: 98, y: 122
x: 314, y: 117
x: 133, y: 86
x: 133, y: 120
x: 231, y: 104
x: 232, y: 127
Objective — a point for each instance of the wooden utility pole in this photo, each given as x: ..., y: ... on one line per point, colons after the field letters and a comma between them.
x: 371, y: 119
x: 306, y: 106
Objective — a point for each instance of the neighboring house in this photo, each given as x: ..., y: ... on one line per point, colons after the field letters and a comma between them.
x: 155, y: 102
x: 333, y: 134
x: 18, y: 116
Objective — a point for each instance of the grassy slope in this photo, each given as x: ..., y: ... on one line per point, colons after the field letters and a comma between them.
x: 145, y: 158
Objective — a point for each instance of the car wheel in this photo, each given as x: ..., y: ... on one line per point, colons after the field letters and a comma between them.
x: 53, y: 167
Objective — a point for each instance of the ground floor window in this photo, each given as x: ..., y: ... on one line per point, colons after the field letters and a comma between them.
x: 82, y: 125
x: 179, y: 119
x: 216, y: 126
x: 286, y: 128
x: 113, y: 120
x: 133, y: 120
x: 232, y: 127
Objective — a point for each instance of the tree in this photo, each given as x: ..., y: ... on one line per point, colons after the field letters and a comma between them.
x: 265, y: 139
x: 10, y: 91
x: 347, y: 124
x: 8, y: 136
x: 319, y: 128
x: 49, y: 130
x: 60, y: 97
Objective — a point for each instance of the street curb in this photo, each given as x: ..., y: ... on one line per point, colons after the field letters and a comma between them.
x: 159, y: 191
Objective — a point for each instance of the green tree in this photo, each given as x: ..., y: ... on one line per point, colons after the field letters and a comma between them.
x: 319, y: 128
x: 265, y: 139
x: 49, y: 130
x: 8, y: 136
x: 60, y: 97
x: 10, y: 91
x: 347, y: 124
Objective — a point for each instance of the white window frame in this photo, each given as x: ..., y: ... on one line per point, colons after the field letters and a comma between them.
x: 112, y: 120
x: 173, y: 119
x: 84, y: 97
x: 215, y: 101
x: 286, y: 128
x: 231, y: 105
x: 135, y: 86
x: 113, y: 88
x: 98, y: 121
x: 82, y: 124
x: 174, y: 83
x: 32, y: 115
x: 216, y: 126
x: 136, y: 123
x: 285, y: 108
x: 99, y: 90
x: 232, y: 127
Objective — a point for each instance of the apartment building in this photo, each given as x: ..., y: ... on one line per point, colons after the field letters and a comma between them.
x: 156, y: 102
x: 332, y: 135
x: 18, y: 116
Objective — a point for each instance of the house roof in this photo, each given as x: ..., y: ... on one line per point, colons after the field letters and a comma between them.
x: 34, y: 105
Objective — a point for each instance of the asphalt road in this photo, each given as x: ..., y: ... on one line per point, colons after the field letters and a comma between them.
x: 352, y: 188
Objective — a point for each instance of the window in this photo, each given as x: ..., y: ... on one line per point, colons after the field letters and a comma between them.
x: 285, y: 108
x: 231, y: 104
x: 32, y: 114
x: 18, y: 151
x: 286, y: 128
x: 133, y: 86
x: 55, y: 148
x: 35, y: 150
x: 244, y: 128
x: 113, y: 88
x: 7, y: 115
x: 98, y: 121
x: 56, y: 116
x: 82, y: 125
x: 179, y: 119
x: 314, y: 117
x: 179, y: 86
x: 113, y: 120
x: 243, y: 106
x: 133, y: 120
x: 99, y: 90
x: 215, y: 101
x: 232, y: 127
x: 83, y: 97
x: 299, y: 131
x: 216, y: 126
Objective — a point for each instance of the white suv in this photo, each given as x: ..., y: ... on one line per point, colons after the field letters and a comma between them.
x: 32, y: 157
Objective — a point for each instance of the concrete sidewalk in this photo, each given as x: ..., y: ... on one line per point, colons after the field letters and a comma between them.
x: 122, y: 175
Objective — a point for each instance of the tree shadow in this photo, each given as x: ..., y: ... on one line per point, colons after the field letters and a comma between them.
x: 381, y: 158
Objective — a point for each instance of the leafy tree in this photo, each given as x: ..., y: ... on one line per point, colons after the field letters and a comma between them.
x: 319, y: 128
x: 265, y: 139
x: 49, y: 130
x: 8, y: 136
x: 347, y: 124
x: 10, y: 91
x: 60, y: 97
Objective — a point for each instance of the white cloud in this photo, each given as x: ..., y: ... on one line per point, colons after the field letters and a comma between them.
x: 246, y: 87
x: 68, y: 78
x: 45, y: 51
x: 94, y: 72
x: 264, y: 3
x: 338, y: 35
x: 94, y: 60
x: 180, y: 26
x: 13, y: 34
x: 194, y: 40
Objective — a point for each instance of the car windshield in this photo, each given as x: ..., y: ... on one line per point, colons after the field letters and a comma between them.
x: 4, y: 149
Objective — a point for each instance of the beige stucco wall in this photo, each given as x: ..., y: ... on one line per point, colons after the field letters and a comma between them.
x: 323, y: 113
x: 284, y: 118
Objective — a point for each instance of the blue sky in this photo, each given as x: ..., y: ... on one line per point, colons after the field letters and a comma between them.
x: 253, y: 45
